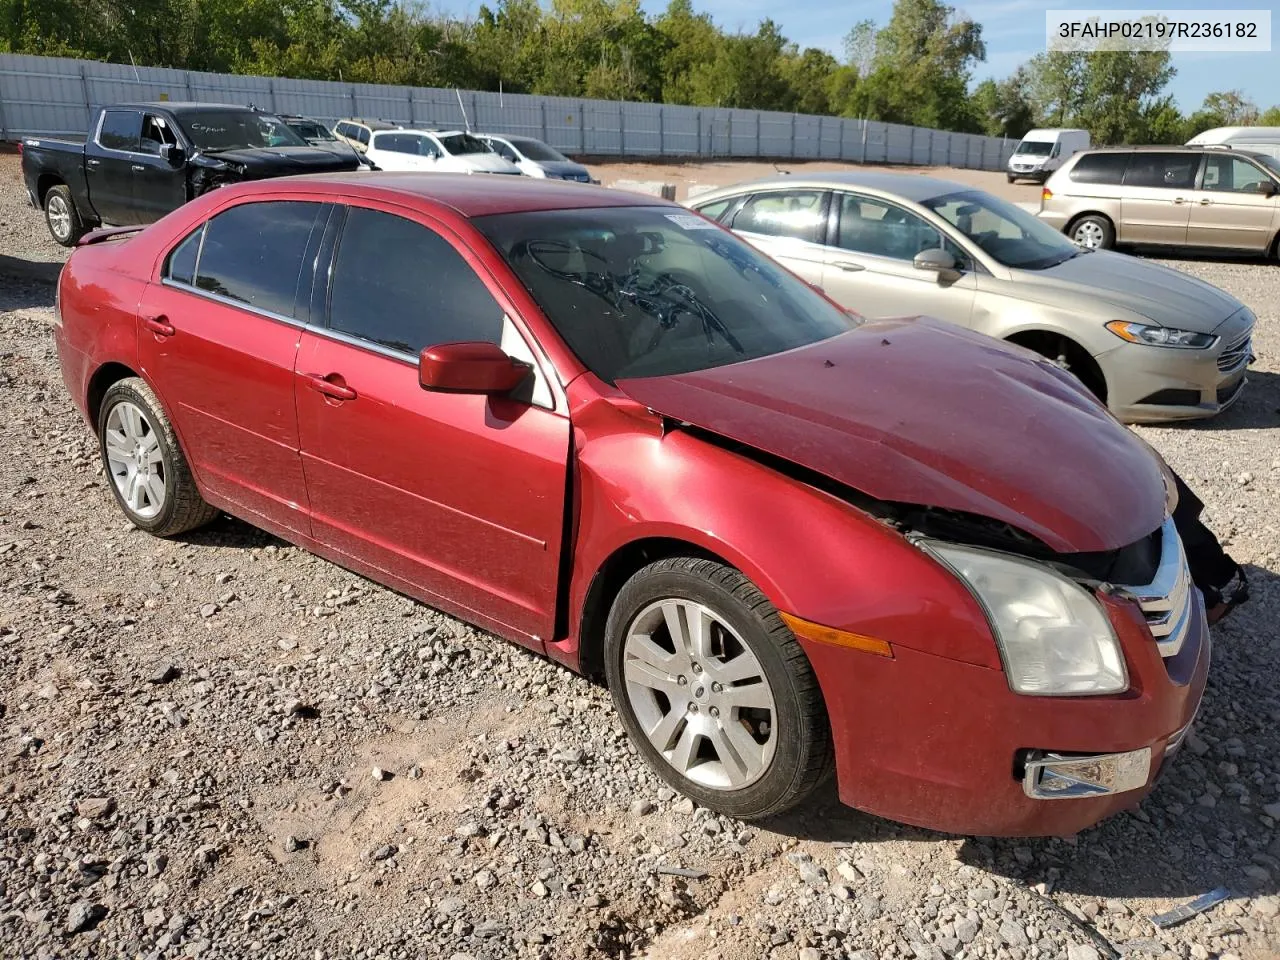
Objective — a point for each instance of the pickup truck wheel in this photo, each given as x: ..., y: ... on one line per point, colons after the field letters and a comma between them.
x: 715, y: 690
x: 149, y: 474
x: 61, y: 216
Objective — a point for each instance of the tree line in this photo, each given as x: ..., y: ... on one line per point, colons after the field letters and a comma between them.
x: 917, y: 68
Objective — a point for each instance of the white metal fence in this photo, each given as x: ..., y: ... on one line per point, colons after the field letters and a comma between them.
x: 54, y: 96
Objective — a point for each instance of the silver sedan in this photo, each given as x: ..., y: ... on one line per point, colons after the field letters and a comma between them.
x: 1153, y: 343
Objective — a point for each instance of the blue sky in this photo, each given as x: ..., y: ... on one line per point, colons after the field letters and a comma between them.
x: 1013, y: 30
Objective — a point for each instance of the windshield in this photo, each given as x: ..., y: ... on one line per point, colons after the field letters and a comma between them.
x: 537, y: 150
x: 311, y: 131
x: 1034, y: 148
x: 651, y: 291
x: 459, y: 144
x: 236, y: 129
x: 1271, y: 163
x: 1007, y: 233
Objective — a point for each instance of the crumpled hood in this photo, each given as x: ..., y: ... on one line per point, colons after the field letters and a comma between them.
x: 1167, y: 297
x: 260, y: 162
x: 924, y: 412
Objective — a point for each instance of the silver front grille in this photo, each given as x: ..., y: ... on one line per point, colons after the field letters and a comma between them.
x: 1236, y: 352
x: 1167, y: 600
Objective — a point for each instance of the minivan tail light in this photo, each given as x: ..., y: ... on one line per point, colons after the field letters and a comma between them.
x: 1045, y: 194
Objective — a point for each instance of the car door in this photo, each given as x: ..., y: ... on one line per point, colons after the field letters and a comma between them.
x: 870, y: 266
x: 788, y: 225
x: 218, y: 340
x: 458, y: 497
x: 110, y: 157
x: 1155, y: 205
x: 1231, y: 208
x: 159, y: 186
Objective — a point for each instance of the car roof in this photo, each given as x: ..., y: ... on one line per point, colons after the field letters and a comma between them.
x: 909, y: 186
x: 182, y: 106
x: 1197, y: 148
x: 469, y: 195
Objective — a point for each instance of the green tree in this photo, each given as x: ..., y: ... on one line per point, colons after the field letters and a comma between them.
x: 1003, y: 108
x: 1108, y: 93
x: 1270, y: 117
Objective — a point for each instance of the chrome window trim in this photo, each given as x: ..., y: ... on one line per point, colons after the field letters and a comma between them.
x: 542, y: 364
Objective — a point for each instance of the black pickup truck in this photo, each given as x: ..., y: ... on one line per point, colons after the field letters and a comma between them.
x: 142, y: 160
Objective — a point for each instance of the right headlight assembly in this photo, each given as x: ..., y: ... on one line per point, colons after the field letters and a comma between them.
x: 1054, y: 638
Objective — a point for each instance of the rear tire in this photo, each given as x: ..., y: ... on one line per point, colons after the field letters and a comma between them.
x: 146, y: 468
x: 60, y: 216
x: 725, y: 705
x: 1093, y: 231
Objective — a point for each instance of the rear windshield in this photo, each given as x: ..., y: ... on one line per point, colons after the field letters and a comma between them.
x: 460, y: 144
x: 1034, y: 148
x: 653, y: 291
x: 212, y: 130
x: 537, y: 150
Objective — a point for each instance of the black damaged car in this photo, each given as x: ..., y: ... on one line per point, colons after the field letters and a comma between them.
x: 142, y: 160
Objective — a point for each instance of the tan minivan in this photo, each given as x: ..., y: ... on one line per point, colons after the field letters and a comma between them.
x: 1204, y: 197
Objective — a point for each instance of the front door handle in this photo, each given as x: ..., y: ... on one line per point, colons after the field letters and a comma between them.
x: 93, y: 163
x: 848, y: 266
x: 139, y: 168
x: 1179, y: 200
x: 159, y: 325
x: 1205, y: 201
x: 323, y: 384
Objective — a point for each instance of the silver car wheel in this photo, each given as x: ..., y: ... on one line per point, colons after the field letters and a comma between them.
x: 59, y: 217
x: 1089, y: 234
x: 700, y: 694
x: 135, y: 460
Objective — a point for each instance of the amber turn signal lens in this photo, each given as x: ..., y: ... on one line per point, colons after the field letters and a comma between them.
x: 807, y: 630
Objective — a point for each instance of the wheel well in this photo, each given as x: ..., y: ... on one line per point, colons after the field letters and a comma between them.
x: 613, y: 574
x: 46, y: 183
x: 1053, y: 345
x: 1088, y: 213
x: 100, y: 383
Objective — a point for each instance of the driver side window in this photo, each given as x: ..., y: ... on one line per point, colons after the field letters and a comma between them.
x: 884, y: 230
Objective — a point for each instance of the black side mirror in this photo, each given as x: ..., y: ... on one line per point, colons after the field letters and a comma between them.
x: 172, y: 154
x: 1268, y: 188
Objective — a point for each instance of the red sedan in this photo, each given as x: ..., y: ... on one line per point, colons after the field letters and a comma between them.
x: 605, y: 428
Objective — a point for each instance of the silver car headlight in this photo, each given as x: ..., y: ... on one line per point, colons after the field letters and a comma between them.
x: 1161, y: 336
x: 1054, y: 638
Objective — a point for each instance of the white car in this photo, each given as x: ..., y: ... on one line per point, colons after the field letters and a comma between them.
x: 537, y: 159
x: 436, y: 151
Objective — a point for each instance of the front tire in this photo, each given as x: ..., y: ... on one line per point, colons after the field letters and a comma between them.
x: 61, y: 217
x: 1093, y: 231
x: 146, y: 468
x: 715, y: 690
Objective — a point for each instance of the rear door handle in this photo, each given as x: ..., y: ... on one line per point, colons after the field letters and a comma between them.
x: 159, y: 325
x: 93, y: 163
x: 1204, y: 202
x: 1179, y: 200
x: 322, y: 384
x: 848, y: 265
x: 139, y: 167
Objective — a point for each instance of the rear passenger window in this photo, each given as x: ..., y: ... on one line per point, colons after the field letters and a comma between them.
x: 400, y: 285
x: 800, y: 214
x: 1172, y: 170
x: 362, y: 134
x: 120, y: 130
x: 1104, y: 168
x: 253, y: 253
x: 181, y: 265
x: 714, y: 211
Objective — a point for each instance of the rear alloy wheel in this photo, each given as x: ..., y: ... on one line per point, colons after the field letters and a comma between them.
x: 61, y: 216
x: 715, y: 690
x: 149, y: 475
x: 1094, y: 233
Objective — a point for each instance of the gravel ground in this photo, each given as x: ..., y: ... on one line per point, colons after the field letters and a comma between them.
x: 221, y: 746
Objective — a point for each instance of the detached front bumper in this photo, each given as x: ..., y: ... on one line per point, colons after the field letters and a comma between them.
x: 1148, y: 384
x: 947, y: 745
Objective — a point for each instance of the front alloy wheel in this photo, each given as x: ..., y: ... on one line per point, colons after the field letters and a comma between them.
x: 715, y: 690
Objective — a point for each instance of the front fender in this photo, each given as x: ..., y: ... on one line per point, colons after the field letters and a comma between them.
x: 811, y: 553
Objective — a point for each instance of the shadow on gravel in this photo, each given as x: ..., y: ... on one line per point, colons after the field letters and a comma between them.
x: 227, y: 531
x: 1258, y: 406
x: 41, y: 271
